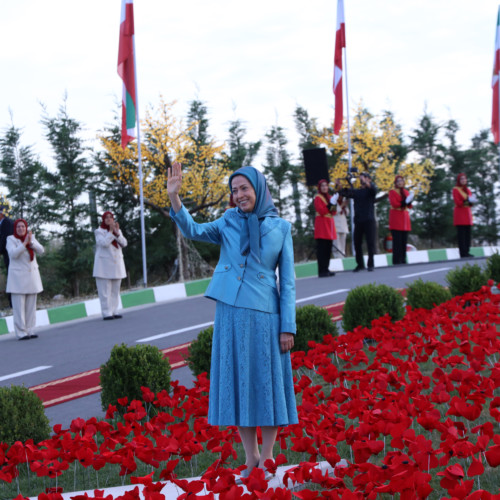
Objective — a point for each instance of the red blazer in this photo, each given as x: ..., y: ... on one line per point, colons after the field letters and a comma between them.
x: 399, y: 217
x: 462, y: 214
x: 324, y: 226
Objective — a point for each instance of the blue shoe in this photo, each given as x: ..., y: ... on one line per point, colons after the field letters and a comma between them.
x: 246, y: 473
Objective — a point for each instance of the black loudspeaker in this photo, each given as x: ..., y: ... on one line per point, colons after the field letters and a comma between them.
x: 316, y: 165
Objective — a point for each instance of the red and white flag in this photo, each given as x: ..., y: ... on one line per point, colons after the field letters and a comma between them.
x: 337, y: 73
x: 126, y: 70
x: 495, y: 84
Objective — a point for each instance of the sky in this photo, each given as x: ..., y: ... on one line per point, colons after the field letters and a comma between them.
x: 254, y: 61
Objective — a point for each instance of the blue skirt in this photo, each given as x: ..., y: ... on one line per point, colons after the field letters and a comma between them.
x: 251, y: 381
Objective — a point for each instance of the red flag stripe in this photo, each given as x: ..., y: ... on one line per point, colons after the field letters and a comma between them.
x: 126, y: 71
x: 337, y: 74
x: 495, y: 125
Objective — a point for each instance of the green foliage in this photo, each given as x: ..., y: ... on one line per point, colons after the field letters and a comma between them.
x: 66, y: 206
x: 22, y: 416
x: 130, y: 368
x: 200, y: 352
x: 240, y: 153
x: 368, y: 302
x: 468, y: 278
x: 434, y: 226
x: 278, y: 167
x: 25, y: 178
x: 426, y: 294
x: 313, y: 323
x: 482, y: 174
x: 493, y: 267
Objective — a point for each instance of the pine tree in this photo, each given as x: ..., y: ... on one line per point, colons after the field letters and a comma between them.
x: 432, y: 217
x: 25, y: 178
x: 277, y: 167
x: 482, y: 173
x: 68, y: 198
x: 241, y: 153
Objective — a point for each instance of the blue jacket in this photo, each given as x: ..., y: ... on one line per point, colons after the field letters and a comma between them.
x: 239, y: 280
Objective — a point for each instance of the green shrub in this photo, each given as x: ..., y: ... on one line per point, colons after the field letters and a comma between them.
x: 493, y: 267
x: 22, y: 416
x: 368, y: 302
x: 313, y: 323
x: 200, y: 352
x: 466, y: 279
x: 426, y: 294
x: 129, y: 368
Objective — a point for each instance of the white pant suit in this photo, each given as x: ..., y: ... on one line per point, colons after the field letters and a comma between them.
x: 23, y: 283
x: 109, y: 269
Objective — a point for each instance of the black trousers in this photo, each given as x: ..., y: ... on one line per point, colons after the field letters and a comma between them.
x: 463, y: 236
x: 323, y: 253
x: 399, y: 241
x: 366, y: 229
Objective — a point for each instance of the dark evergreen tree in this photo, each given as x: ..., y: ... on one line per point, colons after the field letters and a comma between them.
x: 25, y: 178
x: 482, y: 172
x: 241, y: 153
x: 277, y: 167
x: 197, y: 118
x: 432, y: 217
x: 68, y: 205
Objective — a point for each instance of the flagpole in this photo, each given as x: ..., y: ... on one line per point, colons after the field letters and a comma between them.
x: 141, y: 193
x: 349, y: 149
x: 498, y: 110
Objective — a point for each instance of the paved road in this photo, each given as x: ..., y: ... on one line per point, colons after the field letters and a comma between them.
x: 85, y: 344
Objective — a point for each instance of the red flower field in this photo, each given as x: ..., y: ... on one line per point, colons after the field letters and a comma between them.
x: 415, y: 414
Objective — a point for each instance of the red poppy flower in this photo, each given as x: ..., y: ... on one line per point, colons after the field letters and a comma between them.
x: 123, y: 401
x: 307, y: 494
x: 493, y: 455
x: 272, y: 465
x: 476, y: 468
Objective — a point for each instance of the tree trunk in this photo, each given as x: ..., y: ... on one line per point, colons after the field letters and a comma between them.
x: 180, y: 254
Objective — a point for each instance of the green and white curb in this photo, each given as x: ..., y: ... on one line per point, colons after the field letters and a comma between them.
x: 69, y: 312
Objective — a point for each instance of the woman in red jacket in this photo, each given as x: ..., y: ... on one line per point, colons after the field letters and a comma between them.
x: 324, y: 228
x: 462, y: 214
x: 399, y: 219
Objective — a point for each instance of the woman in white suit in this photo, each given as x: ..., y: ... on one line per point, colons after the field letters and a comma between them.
x: 109, y: 267
x: 23, y: 278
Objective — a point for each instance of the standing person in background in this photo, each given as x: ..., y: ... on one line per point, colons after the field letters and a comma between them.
x: 6, y: 230
x: 399, y: 219
x: 109, y: 267
x: 341, y: 227
x: 251, y: 381
x: 324, y: 228
x: 364, y: 218
x: 23, y: 278
x: 462, y: 214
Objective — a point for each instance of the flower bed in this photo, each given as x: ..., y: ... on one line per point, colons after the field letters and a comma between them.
x: 415, y: 414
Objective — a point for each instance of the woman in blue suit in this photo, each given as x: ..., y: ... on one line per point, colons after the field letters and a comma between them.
x: 251, y: 382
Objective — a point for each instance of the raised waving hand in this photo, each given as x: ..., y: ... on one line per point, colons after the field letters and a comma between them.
x: 174, y: 183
